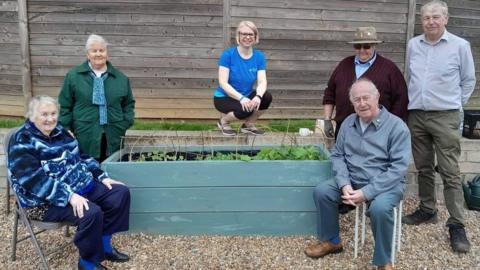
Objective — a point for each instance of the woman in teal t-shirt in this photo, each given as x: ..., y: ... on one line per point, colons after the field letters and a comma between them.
x: 239, y: 68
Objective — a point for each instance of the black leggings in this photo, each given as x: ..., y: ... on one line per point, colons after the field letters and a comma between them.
x: 228, y: 104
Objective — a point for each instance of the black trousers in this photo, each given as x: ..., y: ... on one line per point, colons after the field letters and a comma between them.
x: 103, y: 149
x: 228, y: 104
x: 108, y: 213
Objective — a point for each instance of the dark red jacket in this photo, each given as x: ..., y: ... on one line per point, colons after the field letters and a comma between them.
x: 383, y: 73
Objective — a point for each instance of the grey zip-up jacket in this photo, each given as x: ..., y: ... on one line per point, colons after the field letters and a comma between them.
x: 376, y: 160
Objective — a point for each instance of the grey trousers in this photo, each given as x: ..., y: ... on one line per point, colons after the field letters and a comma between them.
x: 435, y: 135
x: 380, y: 210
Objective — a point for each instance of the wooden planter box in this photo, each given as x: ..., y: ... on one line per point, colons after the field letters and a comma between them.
x: 221, y: 197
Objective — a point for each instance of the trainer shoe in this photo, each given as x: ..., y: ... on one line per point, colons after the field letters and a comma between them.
x: 458, y: 238
x: 419, y: 217
x: 226, y: 129
x: 251, y: 129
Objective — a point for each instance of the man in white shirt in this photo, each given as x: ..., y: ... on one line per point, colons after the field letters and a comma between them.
x: 441, y: 78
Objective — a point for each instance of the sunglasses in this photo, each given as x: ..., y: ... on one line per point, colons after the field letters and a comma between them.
x: 360, y: 46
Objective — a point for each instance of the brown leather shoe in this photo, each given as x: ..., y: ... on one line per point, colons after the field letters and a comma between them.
x: 385, y: 267
x: 323, y: 248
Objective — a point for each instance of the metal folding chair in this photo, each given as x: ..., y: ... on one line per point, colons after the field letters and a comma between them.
x: 397, y: 229
x: 30, y: 224
x: 7, y: 184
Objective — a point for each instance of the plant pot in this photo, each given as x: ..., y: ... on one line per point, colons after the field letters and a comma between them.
x: 258, y: 197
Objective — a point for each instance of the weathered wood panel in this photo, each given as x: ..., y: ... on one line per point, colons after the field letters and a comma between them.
x: 210, y: 113
x: 161, y: 46
x: 144, y: 41
x: 11, y: 98
x: 179, y: 94
x: 170, y: 48
x: 304, y: 40
x: 372, y: 5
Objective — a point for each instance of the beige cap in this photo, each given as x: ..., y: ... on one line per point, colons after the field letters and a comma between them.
x: 365, y: 35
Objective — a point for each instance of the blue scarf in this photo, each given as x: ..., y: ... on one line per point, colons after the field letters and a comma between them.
x: 98, y: 96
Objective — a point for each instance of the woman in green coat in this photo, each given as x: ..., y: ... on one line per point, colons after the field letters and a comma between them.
x: 96, y: 102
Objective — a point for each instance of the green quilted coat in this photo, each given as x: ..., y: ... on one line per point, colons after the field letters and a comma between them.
x: 81, y: 116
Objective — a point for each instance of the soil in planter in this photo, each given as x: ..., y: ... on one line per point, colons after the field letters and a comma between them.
x: 181, y: 156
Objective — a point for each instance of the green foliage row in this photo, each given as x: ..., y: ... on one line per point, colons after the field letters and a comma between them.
x: 268, y: 153
x: 290, y: 153
x: 159, y: 156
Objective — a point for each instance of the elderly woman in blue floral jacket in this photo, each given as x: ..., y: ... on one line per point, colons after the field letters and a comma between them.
x: 49, y: 174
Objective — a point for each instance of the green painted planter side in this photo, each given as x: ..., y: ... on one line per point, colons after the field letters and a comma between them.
x: 221, y: 197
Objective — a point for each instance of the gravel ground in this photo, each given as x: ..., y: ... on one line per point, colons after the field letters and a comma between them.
x: 423, y: 247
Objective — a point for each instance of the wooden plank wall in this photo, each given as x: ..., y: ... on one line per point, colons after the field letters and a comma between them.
x: 170, y: 48
x: 305, y: 39
x: 11, y: 96
x: 167, y: 48
x: 464, y: 21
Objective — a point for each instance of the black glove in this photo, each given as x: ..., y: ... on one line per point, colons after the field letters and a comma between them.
x: 328, y: 128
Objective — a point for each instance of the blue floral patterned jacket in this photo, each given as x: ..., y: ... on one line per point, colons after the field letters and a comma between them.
x: 48, y: 170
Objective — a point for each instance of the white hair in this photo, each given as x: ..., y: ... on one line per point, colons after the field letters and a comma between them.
x: 435, y: 5
x: 35, y: 102
x: 95, y: 39
x: 373, y: 89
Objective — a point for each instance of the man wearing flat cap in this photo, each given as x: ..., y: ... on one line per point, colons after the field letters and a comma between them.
x: 366, y: 63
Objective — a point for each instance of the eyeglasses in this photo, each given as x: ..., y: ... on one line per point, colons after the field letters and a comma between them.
x: 364, y: 46
x: 247, y: 34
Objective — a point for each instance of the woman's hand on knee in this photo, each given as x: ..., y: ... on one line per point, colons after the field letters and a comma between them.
x: 245, y: 102
x: 78, y: 203
x: 255, y: 103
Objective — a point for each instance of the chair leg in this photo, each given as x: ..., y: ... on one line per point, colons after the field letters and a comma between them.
x: 364, y: 207
x: 39, y: 250
x: 67, y: 231
x: 397, y: 229
x: 7, y: 199
x: 394, y: 234
x: 399, y: 223
x: 14, y: 237
x: 355, y: 244
x: 34, y: 240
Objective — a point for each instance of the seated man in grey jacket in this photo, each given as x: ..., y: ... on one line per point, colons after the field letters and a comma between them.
x: 370, y: 160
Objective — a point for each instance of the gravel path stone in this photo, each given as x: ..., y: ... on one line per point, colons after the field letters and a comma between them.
x: 423, y: 247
